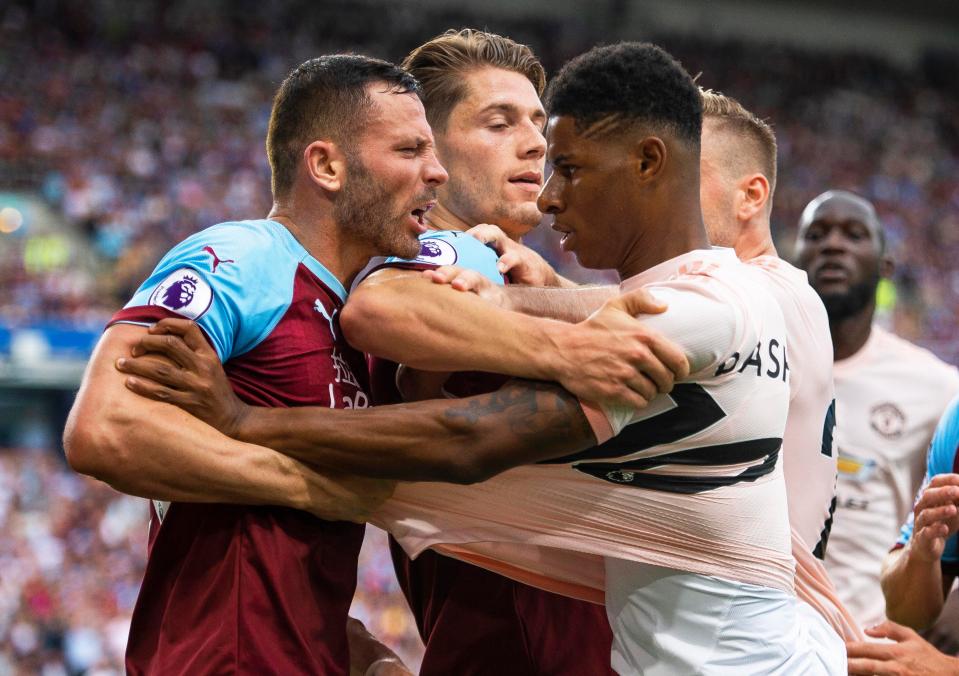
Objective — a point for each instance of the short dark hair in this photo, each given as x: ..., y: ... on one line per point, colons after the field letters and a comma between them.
x: 441, y: 63
x: 325, y: 97
x: 630, y: 82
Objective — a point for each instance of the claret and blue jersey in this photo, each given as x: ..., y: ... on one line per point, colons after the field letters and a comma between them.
x: 943, y: 459
x: 233, y: 587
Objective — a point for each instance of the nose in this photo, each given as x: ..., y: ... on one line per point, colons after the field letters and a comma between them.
x: 533, y: 144
x: 434, y: 174
x: 550, y: 197
x: 834, y: 240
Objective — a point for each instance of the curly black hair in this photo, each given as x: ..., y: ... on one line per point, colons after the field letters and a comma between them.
x: 636, y: 81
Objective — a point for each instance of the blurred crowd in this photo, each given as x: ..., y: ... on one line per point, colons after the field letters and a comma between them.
x: 136, y: 143
x: 72, y: 557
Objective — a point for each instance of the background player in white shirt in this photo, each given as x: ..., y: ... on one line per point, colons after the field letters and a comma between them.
x: 889, y: 395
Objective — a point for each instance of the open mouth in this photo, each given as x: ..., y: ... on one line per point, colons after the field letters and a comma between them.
x: 420, y: 212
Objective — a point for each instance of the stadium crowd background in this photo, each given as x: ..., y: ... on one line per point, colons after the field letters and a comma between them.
x: 129, y: 130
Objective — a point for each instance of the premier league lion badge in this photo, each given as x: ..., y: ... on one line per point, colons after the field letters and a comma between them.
x: 436, y: 252
x: 183, y: 292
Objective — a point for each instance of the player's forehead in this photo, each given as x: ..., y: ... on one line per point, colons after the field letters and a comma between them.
x: 567, y: 142
x: 842, y: 211
x: 395, y: 116
x: 491, y: 89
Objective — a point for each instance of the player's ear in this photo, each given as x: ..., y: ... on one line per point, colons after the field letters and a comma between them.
x: 649, y: 157
x: 325, y: 164
x: 752, y: 196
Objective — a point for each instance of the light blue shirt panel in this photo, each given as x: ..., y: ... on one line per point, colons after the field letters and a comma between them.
x: 451, y: 247
x: 250, y: 290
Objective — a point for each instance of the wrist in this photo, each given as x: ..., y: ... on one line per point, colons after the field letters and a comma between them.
x: 550, y: 357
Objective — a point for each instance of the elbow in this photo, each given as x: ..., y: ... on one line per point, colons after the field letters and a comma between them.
x: 93, y: 447
x: 363, y: 317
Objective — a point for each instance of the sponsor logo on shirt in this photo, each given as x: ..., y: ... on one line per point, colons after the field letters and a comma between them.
x: 855, y: 469
x: 436, y: 252
x: 887, y: 420
x: 183, y: 292
x: 216, y: 259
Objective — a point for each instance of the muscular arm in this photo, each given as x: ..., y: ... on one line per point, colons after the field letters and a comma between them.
x: 155, y: 450
x: 459, y: 440
x: 399, y: 315
x: 566, y: 304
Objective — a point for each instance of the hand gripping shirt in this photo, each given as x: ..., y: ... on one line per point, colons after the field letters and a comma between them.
x: 474, y: 621
x: 241, y: 589
x: 692, y: 482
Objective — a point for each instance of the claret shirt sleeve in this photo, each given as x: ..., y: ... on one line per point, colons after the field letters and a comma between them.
x: 228, y: 279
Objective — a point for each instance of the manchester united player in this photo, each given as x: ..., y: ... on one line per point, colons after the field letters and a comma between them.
x: 889, y: 395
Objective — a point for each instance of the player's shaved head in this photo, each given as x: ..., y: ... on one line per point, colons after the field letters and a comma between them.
x: 621, y: 86
x: 745, y: 143
x: 845, y: 205
x: 325, y: 98
x: 441, y: 64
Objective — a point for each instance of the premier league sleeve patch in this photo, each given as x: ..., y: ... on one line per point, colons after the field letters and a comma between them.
x: 184, y: 292
x: 437, y: 252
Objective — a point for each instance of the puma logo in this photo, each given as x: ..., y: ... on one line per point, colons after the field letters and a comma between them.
x: 216, y: 259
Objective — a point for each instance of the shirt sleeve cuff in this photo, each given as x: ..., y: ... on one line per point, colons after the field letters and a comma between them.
x: 597, y: 421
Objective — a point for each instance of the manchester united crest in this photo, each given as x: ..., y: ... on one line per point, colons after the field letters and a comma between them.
x: 887, y: 420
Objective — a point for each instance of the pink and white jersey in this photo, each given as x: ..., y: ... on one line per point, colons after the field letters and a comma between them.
x: 889, y: 397
x: 809, y: 455
x: 691, y: 483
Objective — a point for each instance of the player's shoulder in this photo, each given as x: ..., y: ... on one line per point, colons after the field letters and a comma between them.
x: 451, y: 247
x: 255, y: 242
x: 921, y: 362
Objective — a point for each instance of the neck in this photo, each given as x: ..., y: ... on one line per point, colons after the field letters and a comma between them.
x: 315, y: 229
x: 849, y: 334
x: 754, y: 240
x: 677, y: 229
x: 441, y: 218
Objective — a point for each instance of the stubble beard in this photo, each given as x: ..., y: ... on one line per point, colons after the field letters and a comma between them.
x: 840, y: 306
x: 364, y: 210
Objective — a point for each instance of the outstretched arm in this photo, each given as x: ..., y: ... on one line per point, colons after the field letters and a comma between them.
x: 402, y: 316
x: 455, y: 440
x: 154, y: 450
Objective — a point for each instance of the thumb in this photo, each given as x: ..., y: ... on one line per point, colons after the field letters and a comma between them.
x: 891, y: 630
x: 639, y: 302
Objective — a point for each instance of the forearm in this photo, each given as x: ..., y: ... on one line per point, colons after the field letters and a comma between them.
x: 913, y: 589
x: 565, y: 304
x: 427, y: 326
x: 455, y: 440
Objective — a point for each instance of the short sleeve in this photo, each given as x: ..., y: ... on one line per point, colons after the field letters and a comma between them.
x: 234, y: 280
x: 702, y: 321
x: 450, y: 247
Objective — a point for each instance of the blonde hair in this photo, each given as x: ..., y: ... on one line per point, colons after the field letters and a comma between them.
x: 734, y: 118
x: 441, y: 63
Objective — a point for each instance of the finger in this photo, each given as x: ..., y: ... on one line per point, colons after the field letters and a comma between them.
x: 944, y: 480
x: 671, y: 355
x: 934, y: 515
x: 867, y: 667
x: 158, y: 370
x: 889, y: 629
x: 468, y: 280
x: 151, y: 390
x: 643, y: 386
x: 654, y: 370
x: 869, y: 650
x: 508, y: 261
x: 188, y: 330
x: 937, y: 495
x: 171, y: 346
x: 640, y: 302
x: 446, y: 273
x: 489, y: 234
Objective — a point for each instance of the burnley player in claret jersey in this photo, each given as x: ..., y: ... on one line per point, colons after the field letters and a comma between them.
x: 241, y: 578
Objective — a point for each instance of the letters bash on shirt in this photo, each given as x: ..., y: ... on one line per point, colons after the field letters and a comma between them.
x: 889, y: 397
x: 240, y: 589
x: 552, y: 524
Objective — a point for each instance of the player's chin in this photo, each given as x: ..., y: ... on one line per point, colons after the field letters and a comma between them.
x: 405, y: 245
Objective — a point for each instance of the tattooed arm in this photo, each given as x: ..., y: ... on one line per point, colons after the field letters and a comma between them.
x: 453, y: 440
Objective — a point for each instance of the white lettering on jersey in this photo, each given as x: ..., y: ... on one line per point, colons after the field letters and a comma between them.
x: 184, y: 292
